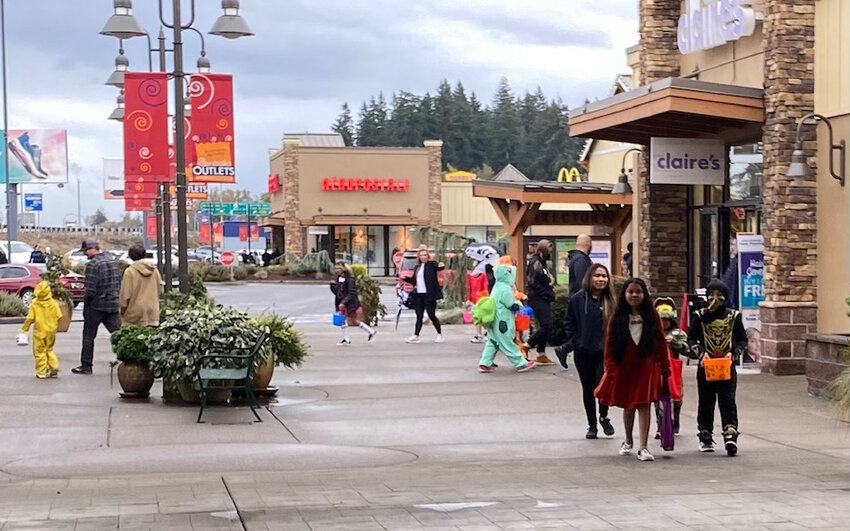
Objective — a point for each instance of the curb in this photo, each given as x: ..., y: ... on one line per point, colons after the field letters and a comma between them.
x: 12, y: 320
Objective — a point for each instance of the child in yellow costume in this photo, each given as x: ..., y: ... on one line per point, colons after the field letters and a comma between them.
x: 45, y: 313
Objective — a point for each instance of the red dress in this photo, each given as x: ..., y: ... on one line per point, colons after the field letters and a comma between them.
x: 635, y: 381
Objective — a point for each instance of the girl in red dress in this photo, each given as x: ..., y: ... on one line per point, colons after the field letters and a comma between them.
x: 636, y: 363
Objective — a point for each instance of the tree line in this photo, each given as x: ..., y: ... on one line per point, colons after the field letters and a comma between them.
x: 530, y: 132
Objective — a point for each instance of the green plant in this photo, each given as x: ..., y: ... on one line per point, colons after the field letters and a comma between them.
x: 358, y: 270
x: 79, y: 269
x: 241, y: 272
x: 262, y: 274
x: 185, y: 334
x: 839, y: 388
x: 369, y: 292
x: 318, y: 263
x: 285, y: 342
x: 131, y: 343
x: 450, y: 316
x: 11, y: 305
x: 56, y: 269
x: 281, y: 270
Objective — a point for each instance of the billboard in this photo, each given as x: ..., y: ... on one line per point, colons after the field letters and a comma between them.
x: 113, y: 178
x: 36, y: 155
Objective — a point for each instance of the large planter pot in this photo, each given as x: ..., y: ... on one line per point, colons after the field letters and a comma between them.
x: 190, y: 394
x: 263, y: 374
x: 136, y: 379
x: 65, y: 320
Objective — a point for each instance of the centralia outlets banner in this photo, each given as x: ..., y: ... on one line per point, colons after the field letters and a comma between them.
x: 145, y: 136
x: 213, y: 159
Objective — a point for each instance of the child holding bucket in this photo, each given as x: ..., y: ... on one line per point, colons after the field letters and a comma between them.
x: 718, y: 340
x: 347, y: 303
x: 476, y: 287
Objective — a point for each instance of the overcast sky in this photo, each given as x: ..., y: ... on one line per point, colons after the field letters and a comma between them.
x: 306, y: 59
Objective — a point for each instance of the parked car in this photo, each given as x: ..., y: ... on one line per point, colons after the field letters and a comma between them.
x: 21, y: 279
x: 76, y: 257
x: 206, y: 254
x: 20, y: 252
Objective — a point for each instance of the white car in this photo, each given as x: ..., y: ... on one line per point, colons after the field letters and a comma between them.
x: 152, y: 255
x: 205, y: 253
x: 76, y: 257
x: 20, y: 252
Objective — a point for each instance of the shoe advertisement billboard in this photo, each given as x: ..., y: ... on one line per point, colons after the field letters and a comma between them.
x: 35, y: 156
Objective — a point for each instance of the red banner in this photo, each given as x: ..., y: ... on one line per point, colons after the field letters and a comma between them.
x: 151, y: 228
x: 145, y: 126
x: 138, y: 205
x: 141, y: 190
x: 212, y: 128
x: 218, y: 231
x: 204, y: 232
x: 243, y: 232
x: 274, y: 183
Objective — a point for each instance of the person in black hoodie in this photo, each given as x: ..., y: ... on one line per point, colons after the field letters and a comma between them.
x: 585, y: 328
x: 541, y: 294
x: 717, y: 333
x: 426, y: 292
x: 578, y: 262
x: 347, y: 303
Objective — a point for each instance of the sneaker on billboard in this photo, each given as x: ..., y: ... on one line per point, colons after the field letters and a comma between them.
x: 26, y: 154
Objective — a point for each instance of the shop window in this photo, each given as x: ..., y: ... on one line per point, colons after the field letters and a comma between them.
x: 746, y: 165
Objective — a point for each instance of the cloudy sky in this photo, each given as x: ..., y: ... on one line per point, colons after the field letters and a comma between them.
x: 307, y: 58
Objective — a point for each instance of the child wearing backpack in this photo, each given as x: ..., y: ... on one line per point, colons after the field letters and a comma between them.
x: 45, y: 313
x: 496, y: 313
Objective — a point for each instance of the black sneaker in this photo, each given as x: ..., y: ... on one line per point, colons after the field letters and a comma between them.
x: 561, y: 352
x: 591, y: 433
x: 607, y: 428
x: 730, y: 440
x: 81, y: 370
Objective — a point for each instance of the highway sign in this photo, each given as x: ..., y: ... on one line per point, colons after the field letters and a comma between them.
x: 33, y: 202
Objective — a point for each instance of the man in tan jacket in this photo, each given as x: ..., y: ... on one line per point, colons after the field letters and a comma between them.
x: 140, y: 291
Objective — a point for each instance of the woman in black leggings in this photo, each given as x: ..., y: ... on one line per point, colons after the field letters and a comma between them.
x: 584, y: 327
x: 426, y: 292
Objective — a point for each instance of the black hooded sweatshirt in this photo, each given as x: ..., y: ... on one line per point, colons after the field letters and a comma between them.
x: 584, y: 325
x: 578, y: 263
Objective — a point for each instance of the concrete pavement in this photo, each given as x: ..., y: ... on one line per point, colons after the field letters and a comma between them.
x: 394, y: 436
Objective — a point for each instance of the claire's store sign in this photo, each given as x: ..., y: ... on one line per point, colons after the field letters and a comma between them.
x: 710, y: 23
x: 365, y: 184
x: 687, y: 161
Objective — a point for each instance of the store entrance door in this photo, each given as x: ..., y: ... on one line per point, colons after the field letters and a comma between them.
x: 714, y: 243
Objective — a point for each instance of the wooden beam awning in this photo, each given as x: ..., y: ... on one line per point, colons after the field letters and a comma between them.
x: 673, y: 107
x: 550, y: 192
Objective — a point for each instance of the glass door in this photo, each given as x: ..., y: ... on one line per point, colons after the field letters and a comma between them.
x: 713, y: 242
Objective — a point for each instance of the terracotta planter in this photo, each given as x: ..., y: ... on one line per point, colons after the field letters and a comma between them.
x: 65, y: 320
x: 136, y: 379
x: 263, y: 374
x: 189, y: 394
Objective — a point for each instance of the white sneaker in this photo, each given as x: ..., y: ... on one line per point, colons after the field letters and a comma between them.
x: 343, y: 343
x: 372, y: 336
x: 477, y: 339
x: 625, y: 448
x: 412, y: 339
x: 644, y: 455
x: 439, y: 338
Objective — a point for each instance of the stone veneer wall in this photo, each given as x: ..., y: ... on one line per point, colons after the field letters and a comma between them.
x: 435, y: 182
x: 789, y: 205
x: 663, y: 208
x: 825, y: 360
x: 294, y: 234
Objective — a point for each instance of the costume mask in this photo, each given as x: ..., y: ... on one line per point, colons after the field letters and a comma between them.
x: 716, y: 302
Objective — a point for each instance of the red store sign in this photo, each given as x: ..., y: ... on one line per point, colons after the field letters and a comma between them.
x: 374, y: 184
x: 274, y: 183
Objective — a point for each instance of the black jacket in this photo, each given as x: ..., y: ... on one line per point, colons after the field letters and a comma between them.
x: 3, y: 259
x: 578, y: 264
x: 433, y: 291
x: 538, y: 283
x: 491, y: 277
x: 584, y: 328
x: 345, y: 293
x: 727, y: 324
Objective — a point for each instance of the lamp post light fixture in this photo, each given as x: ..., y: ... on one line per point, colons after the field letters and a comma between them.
x: 117, y: 114
x: 122, y: 64
x: 623, y: 188
x: 799, y: 167
x: 230, y: 25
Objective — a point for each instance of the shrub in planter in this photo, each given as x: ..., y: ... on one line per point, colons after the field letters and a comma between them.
x: 369, y: 292
x: 251, y: 269
x: 262, y: 274
x: 131, y: 345
x: 450, y: 316
x: 285, y: 347
x: 559, y: 313
x: 11, y: 305
x: 241, y: 272
x: 281, y: 270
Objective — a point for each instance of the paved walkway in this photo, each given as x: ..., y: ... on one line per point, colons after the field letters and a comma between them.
x: 395, y: 436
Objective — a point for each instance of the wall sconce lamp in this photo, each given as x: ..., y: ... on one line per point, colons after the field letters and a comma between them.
x: 623, y: 188
x: 799, y: 167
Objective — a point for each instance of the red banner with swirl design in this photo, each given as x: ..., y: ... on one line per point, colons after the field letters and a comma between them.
x: 213, y: 159
x: 146, y: 126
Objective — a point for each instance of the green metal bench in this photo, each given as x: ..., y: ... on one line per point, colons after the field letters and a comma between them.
x: 240, y: 371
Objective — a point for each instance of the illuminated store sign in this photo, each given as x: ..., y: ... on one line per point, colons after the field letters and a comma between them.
x: 710, y: 23
x: 366, y: 184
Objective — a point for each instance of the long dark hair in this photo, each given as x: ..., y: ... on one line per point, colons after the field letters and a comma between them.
x: 607, y: 295
x: 619, y: 327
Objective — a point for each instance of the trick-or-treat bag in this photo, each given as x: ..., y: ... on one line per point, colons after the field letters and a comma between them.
x: 668, y: 436
x: 22, y: 340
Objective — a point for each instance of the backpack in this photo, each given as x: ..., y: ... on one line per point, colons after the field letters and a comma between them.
x: 484, y: 311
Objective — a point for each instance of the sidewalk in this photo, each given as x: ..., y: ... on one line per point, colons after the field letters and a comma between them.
x: 394, y: 436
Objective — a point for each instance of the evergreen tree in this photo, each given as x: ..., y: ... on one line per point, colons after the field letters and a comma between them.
x: 430, y: 129
x: 478, y: 134
x: 372, y: 128
x: 505, y: 130
x: 459, y: 134
x: 344, y: 125
x: 405, y: 125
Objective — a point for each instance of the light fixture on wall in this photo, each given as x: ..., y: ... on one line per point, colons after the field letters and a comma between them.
x: 799, y: 167
x: 623, y: 188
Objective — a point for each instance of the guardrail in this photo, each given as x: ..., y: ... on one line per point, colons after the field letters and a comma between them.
x: 81, y: 230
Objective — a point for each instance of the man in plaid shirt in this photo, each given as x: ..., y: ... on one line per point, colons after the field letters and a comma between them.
x: 103, y: 283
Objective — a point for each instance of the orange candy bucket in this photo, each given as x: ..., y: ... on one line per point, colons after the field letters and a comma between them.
x: 717, y: 369
x: 523, y: 322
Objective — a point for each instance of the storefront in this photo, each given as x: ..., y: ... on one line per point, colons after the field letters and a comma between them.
x: 714, y: 110
x: 360, y: 205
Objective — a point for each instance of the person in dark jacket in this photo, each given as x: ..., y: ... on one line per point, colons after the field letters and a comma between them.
x: 37, y: 257
x: 3, y: 259
x: 426, y: 292
x: 578, y: 262
x: 585, y: 329
x: 100, y: 303
x: 347, y: 303
x: 267, y: 258
x: 541, y: 294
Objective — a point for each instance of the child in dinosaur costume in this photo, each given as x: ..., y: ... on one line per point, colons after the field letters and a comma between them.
x: 501, y: 329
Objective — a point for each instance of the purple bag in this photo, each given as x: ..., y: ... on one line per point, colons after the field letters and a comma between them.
x: 668, y: 438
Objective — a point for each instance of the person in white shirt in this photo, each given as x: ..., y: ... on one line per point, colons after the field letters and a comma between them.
x: 426, y: 292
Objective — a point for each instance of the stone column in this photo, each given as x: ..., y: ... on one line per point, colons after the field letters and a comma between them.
x: 789, y: 205
x: 293, y: 232
x: 662, y: 216
x: 435, y: 182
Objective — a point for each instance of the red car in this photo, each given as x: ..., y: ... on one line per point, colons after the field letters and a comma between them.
x: 21, y: 280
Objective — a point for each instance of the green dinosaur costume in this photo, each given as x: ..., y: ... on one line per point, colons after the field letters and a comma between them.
x: 501, y: 332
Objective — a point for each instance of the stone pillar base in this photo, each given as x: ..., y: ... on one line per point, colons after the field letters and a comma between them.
x: 826, y: 360
x: 784, y: 326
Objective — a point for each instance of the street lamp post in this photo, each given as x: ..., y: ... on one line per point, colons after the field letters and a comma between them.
x: 122, y: 24
x: 11, y: 188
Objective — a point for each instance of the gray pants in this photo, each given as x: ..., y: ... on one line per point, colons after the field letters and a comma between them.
x: 92, y: 320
